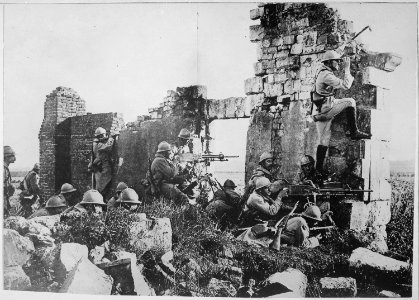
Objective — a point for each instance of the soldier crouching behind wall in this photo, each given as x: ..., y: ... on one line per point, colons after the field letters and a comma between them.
x: 164, y: 176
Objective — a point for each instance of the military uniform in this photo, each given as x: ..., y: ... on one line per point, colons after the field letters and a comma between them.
x: 164, y: 172
x: 225, y: 205
x: 8, y: 189
x: 30, y: 192
x: 259, y: 208
x: 42, y: 212
x: 296, y: 233
x: 102, y: 165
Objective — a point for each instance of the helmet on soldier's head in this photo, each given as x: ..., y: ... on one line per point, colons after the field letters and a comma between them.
x: 55, y: 201
x: 67, y: 188
x: 184, y: 134
x: 129, y: 196
x: 313, y: 212
x: 121, y: 186
x: 307, y: 159
x: 164, y: 146
x: 8, y: 151
x: 331, y: 55
x: 262, y: 182
x: 92, y: 197
x: 265, y: 155
x: 229, y: 183
x: 36, y: 167
x: 100, y: 131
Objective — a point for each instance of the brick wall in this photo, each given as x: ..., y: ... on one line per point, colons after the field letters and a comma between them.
x: 291, y: 39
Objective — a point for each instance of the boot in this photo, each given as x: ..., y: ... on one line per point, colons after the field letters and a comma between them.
x: 354, y: 133
x: 320, y: 156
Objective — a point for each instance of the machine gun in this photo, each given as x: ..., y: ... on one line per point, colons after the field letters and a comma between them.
x: 208, y: 158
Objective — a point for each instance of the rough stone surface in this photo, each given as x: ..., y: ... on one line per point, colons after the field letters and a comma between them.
x: 151, y: 235
x: 86, y: 278
x: 291, y: 278
x: 48, y: 221
x: 220, y: 288
x: 71, y: 254
x: 38, y: 229
x: 362, y: 258
x: 14, y: 278
x: 20, y: 224
x: 388, y: 294
x: 96, y: 255
x: 17, y: 249
x: 338, y: 287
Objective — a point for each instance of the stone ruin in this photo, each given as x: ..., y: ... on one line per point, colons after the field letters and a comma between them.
x: 291, y: 38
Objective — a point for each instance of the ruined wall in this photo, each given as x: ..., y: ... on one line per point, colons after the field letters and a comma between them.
x: 291, y: 39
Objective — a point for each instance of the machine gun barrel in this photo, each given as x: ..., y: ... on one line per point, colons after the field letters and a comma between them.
x: 321, y: 228
x: 219, y: 157
x: 342, y: 191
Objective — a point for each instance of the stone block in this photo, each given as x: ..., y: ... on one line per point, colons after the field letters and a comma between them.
x: 253, y: 101
x: 86, y: 278
x: 363, y: 259
x: 71, y: 254
x: 257, y: 33
x: 258, y: 67
x: 383, y: 61
x: 17, y: 249
x: 151, y: 235
x: 338, y: 287
x: 388, y: 294
x: 291, y: 278
x: 289, y: 39
x: 20, y: 224
x: 376, y: 77
x: 362, y: 215
x: 277, y: 42
x: 253, y: 85
x: 14, y: 278
x: 256, y: 13
x: 96, y: 254
x: 273, y: 90
x: 38, y: 229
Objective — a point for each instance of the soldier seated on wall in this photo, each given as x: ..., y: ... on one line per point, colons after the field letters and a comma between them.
x: 164, y: 176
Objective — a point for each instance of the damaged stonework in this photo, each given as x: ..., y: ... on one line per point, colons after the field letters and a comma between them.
x: 291, y: 40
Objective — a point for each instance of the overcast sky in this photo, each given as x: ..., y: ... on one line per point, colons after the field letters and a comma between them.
x: 124, y: 57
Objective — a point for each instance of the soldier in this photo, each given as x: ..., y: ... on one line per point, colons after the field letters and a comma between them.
x: 9, y: 157
x: 266, y: 163
x: 92, y: 202
x: 30, y: 190
x: 164, y: 175
x: 297, y: 230
x: 119, y: 188
x: 308, y: 173
x: 328, y: 107
x: 184, y: 141
x: 101, y: 163
x: 260, y: 207
x: 128, y: 200
x: 68, y: 193
x: 54, y: 206
x: 225, y: 205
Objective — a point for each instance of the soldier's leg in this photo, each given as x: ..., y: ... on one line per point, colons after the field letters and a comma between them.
x: 324, y: 134
x: 172, y: 192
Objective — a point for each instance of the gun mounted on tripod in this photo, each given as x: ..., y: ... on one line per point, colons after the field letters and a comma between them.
x: 207, y: 158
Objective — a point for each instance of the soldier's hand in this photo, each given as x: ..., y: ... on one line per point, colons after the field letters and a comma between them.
x: 319, y: 236
x: 283, y: 193
x: 277, y: 186
x: 346, y: 62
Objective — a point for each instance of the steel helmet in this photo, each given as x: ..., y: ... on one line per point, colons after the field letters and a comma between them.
x: 56, y: 201
x: 8, y: 151
x: 313, y: 212
x: 163, y: 146
x: 265, y: 155
x: 184, y: 134
x: 331, y: 55
x: 121, y: 186
x: 129, y: 196
x: 67, y: 188
x: 307, y: 159
x: 229, y: 183
x: 100, y: 131
x: 262, y: 182
x: 92, y: 197
x: 36, y: 167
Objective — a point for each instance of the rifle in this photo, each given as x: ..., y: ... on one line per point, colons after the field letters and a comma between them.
x: 280, y: 225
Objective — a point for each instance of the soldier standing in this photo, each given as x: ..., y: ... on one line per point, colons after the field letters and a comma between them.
x: 30, y: 190
x: 9, y: 157
x: 328, y: 107
x: 101, y: 164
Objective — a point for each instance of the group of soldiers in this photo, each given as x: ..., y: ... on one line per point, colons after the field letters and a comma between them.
x: 171, y: 173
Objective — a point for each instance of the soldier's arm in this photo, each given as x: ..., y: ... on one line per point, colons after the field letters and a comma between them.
x: 262, y: 206
x: 108, y: 144
x: 330, y: 79
x: 33, y: 183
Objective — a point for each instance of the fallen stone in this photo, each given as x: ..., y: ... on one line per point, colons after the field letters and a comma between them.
x: 388, y: 294
x: 338, y: 287
x: 166, y: 263
x: 221, y: 288
x: 17, y: 249
x: 40, y: 240
x: 291, y: 278
x: 96, y: 255
x: 71, y: 254
x: 14, y: 278
x: 151, y: 235
x: 86, y: 278
x: 38, y: 229
x: 118, y: 255
x: 362, y: 258
x: 20, y: 224
x: 48, y: 221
